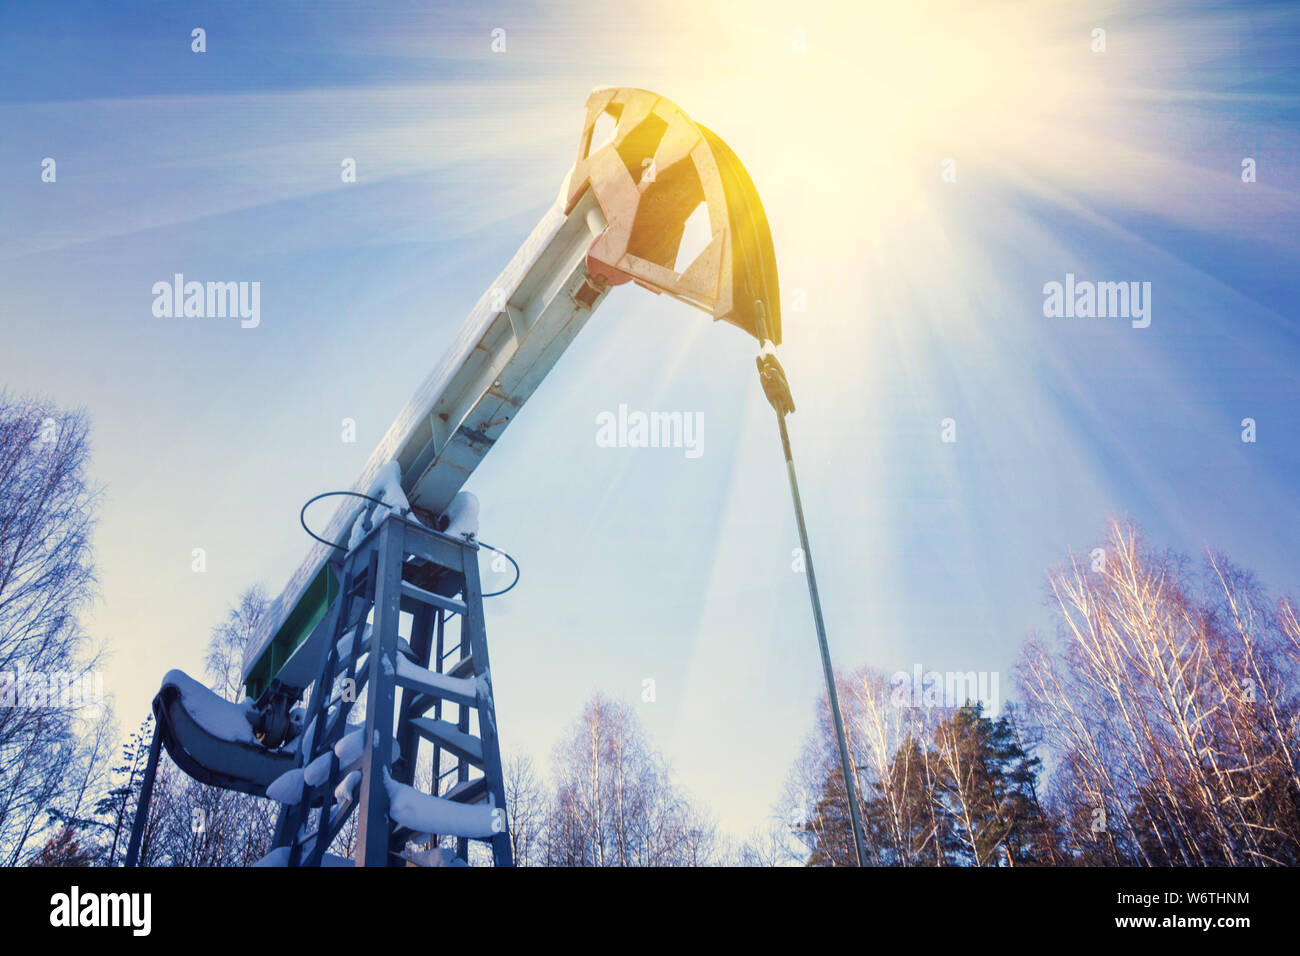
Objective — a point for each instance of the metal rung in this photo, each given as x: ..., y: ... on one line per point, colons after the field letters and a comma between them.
x: 471, y: 791
x: 421, y: 703
x: 451, y: 738
x: 428, y: 597
x: 430, y: 689
x: 462, y: 668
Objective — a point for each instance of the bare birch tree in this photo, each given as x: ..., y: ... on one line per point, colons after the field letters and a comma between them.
x: 1170, y: 705
x: 47, y: 582
x: 615, y: 803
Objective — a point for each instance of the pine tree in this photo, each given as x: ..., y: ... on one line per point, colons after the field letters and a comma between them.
x: 968, y: 797
x: 828, y: 828
x: 987, y: 783
x: 119, y: 803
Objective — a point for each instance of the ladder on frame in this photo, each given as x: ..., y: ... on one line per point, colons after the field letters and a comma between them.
x: 368, y: 768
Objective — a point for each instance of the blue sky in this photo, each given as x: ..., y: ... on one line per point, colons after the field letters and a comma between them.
x: 923, y: 302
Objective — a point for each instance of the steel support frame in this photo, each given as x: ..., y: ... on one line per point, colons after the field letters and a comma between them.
x: 396, y: 541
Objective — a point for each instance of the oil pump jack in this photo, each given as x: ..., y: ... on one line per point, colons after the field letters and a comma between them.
x: 404, y: 538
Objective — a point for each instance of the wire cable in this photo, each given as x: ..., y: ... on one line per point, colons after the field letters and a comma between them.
x: 302, y: 519
x: 518, y: 573
x: 302, y: 515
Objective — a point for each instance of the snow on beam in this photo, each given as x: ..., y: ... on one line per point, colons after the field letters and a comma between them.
x: 423, y: 813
